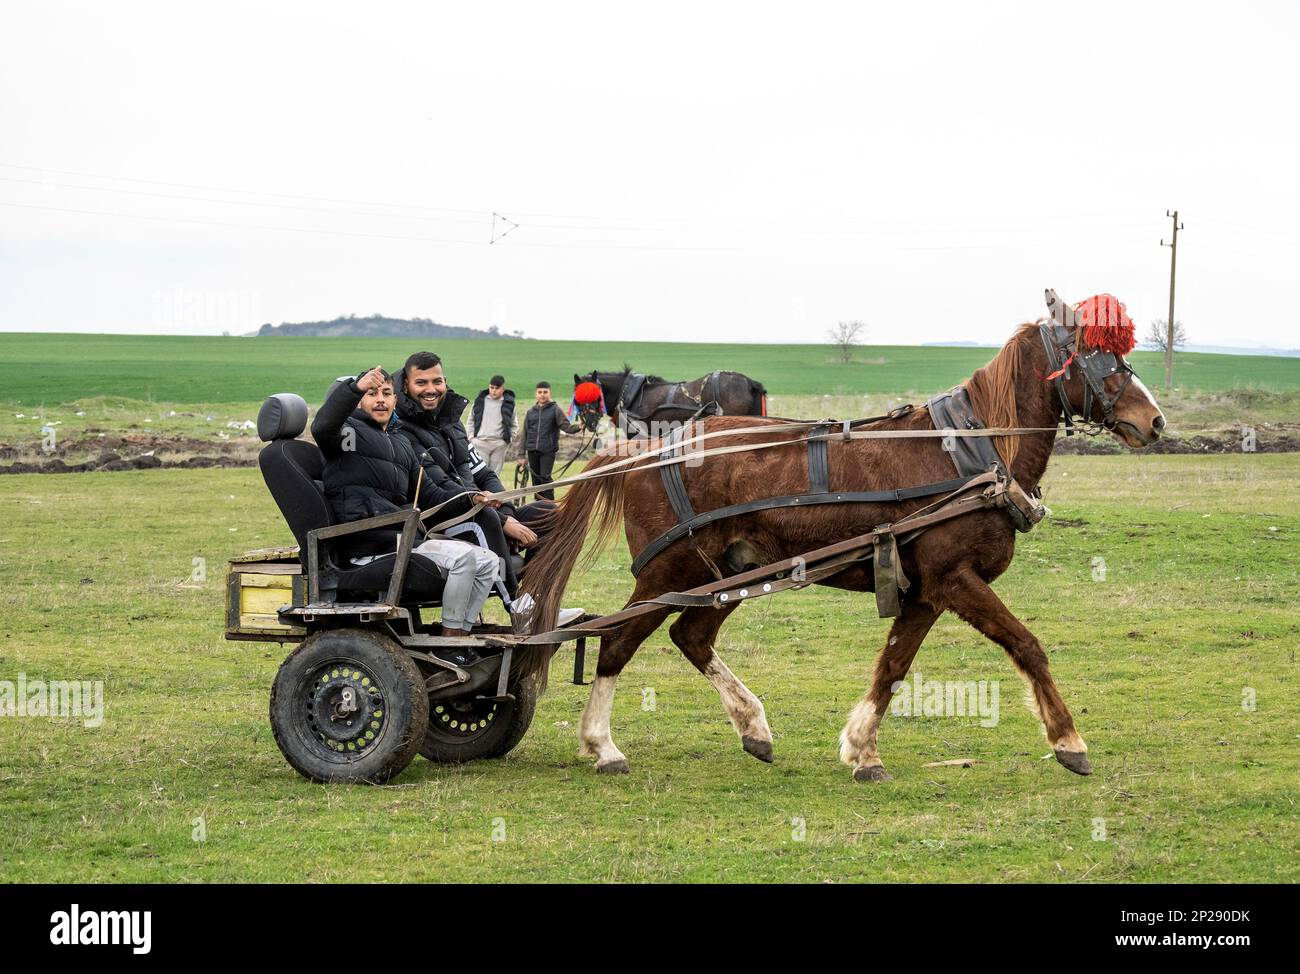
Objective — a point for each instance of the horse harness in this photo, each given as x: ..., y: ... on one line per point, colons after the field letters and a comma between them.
x: 977, y: 464
x: 816, y: 566
x: 636, y: 385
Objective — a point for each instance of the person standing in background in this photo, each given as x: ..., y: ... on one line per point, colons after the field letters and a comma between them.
x: 492, y: 424
x: 541, y: 438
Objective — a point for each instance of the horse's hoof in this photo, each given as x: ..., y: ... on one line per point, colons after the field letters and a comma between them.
x: 760, y: 749
x: 614, y: 767
x: 1076, y: 761
x: 875, y: 772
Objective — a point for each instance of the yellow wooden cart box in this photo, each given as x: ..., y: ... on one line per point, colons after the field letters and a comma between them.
x: 258, y: 585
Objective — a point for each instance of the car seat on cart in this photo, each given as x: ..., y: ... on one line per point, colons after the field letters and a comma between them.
x: 292, y: 469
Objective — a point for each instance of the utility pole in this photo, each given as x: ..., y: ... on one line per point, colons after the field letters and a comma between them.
x: 1169, y: 324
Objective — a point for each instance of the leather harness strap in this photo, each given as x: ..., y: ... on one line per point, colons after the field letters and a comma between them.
x: 807, y: 569
x: 819, y: 470
x: 672, y: 478
x: 890, y: 582
x: 698, y: 521
x: 712, y: 390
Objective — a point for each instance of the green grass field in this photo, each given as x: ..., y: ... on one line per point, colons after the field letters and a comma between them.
x: 1197, y: 615
x: 56, y: 368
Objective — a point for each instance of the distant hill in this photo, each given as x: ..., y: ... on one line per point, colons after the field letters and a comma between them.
x: 378, y: 326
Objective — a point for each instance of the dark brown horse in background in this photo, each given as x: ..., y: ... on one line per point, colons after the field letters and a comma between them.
x: 658, y: 403
x: 950, y: 564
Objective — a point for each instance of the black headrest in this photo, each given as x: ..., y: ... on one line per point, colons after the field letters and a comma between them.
x: 340, y: 381
x: 282, y: 417
x: 292, y: 471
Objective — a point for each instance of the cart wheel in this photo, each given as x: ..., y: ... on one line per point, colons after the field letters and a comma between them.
x: 349, y: 705
x: 466, y: 729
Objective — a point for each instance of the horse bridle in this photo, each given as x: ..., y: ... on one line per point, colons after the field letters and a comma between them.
x: 590, y: 413
x: 1097, y: 366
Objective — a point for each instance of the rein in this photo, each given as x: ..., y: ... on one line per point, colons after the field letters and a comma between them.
x: 846, y: 433
x: 590, y: 440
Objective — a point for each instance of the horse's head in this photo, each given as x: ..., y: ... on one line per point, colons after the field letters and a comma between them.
x: 589, y: 400
x: 1086, y: 348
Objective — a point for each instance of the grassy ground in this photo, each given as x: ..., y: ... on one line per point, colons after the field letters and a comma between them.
x: 53, y: 369
x: 1196, y: 612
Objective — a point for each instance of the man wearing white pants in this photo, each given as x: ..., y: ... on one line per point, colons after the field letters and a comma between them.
x: 471, y: 572
x: 493, y: 423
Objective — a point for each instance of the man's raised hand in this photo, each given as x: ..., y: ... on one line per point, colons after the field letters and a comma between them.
x: 373, y: 379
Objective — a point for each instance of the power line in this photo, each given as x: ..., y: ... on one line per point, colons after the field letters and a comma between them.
x: 516, y: 243
x: 239, y: 226
x: 494, y: 217
x: 208, y: 199
x: 684, y: 222
x: 228, y: 189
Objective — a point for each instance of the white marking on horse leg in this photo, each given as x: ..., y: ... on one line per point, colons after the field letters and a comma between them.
x: 858, y: 738
x: 593, y: 732
x: 1070, y: 741
x: 743, y: 708
x: 1031, y: 700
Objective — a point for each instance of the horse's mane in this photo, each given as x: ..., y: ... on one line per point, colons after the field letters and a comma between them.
x: 992, y: 390
x: 627, y: 370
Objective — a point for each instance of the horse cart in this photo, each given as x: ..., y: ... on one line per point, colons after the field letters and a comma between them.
x: 369, y: 684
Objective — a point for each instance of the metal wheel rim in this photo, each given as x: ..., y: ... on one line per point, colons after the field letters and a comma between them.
x: 335, y: 741
x: 463, y: 721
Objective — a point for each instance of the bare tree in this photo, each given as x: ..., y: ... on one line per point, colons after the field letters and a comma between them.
x: 845, y: 335
x: 1157, y: 335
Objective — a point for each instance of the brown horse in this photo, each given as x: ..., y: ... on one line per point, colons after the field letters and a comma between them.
x: 950, y: 564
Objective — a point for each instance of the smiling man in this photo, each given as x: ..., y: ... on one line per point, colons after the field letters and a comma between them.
x: 428, y: 416
x: 369, y: 472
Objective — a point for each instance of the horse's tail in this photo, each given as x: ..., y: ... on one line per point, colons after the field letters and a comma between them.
x: 757, y: 398
x: 547, y: 572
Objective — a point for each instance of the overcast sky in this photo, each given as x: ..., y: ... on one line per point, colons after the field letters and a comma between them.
x: 682, y: 172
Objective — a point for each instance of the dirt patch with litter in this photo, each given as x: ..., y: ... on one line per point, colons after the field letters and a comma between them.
x: 129, y: 451
x: 101, y: 451
x: 1268, y: 438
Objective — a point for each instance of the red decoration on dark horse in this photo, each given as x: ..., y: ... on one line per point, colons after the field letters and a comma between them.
x: 648, y: 405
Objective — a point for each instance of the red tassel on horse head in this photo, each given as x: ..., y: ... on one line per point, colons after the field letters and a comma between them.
x: 1106, y: 325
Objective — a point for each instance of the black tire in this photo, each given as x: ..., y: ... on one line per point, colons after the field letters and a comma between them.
x: 491, y: 729
x: 327, y: 743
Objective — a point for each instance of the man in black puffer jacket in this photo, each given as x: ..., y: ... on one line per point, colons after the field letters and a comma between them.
x: 540, y: 439
x: 428, y: 416
x: 369, y: 472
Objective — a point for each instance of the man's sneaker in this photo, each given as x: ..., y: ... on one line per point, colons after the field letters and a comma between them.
x: 521, y: 615
x: 455, y: 655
